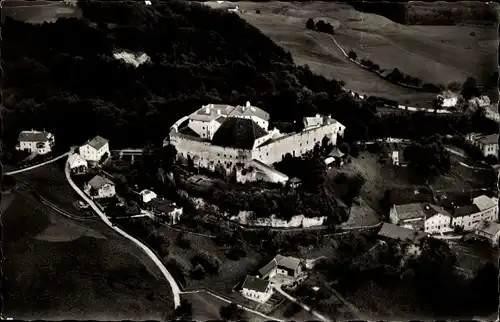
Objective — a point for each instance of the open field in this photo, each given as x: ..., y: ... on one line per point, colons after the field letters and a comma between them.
x: 436, y: 54
x: 55, y: 268
x: 38, y: 11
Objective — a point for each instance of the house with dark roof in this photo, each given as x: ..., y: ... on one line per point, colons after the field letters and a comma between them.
x: 94, y: 149
x: 39, y: 142
x: 394, y: 232
x: 488, y: 144
x: 282, y: 265
x: 294, y: 182
x: 488, y: 230
x: 100, y: 187
x: 256, y: 289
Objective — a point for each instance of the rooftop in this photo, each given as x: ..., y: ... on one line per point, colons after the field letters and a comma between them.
x: 256, y: 284
x: 282, y: 261
x: 484, y: 202
x: 34, y: 136
x: 238, y: 133
x: 487, y: 139
x: 97, y: 142
x: 162, y: 205
x: 465, y: 210
x: 400, y: 233
x: 488, y: 227
x: 336, y: 153
x: 210, y: 112
x: 98, y: 182
x: 75, y: 158
x: 410, y: 211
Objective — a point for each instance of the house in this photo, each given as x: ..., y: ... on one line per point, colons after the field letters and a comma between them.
x: 100, y: 187
x: 163, y: 207
x: 447, y: 99
x: 488, y: 230
x: 337, y: 155
x: 482, y: 101
x: 294, y: 182
x: 147, y: 195
x: 468, y: 216
x: 491, y: 112
x: 77, y: 164
x: 256, y: 289
x: 282, y: 265
x: 38, y: 142
x: 421, y: 216
x: 235, y: 9
x: 395, y: 232
x: 94, y: 149
x: 397, y: 158
x: 488, y: 144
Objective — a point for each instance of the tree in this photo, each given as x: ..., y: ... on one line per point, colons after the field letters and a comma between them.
x: 183, y: 311
x: 168, y: 156
x: 344, y: 148
x: 310, y: 24
x: 104, y: 157
x: 469, y: 88
x: 231, y: 312
x: 352, y: 55
x: 491, y: 159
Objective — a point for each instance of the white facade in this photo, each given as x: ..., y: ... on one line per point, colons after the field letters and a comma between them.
x: 147, y: 195
x: 76, y: 162
x: 487, y: 211
x: 90, y: 153
x: 39, y: 142
x: 438, y: 223
x: 105, y: 191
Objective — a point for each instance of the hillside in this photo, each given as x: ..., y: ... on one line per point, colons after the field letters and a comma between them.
x: 435, y: 54
x: 63, y: 77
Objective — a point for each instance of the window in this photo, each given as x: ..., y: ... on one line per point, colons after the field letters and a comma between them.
x: 267, y: 153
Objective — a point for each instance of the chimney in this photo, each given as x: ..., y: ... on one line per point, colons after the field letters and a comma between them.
x: 248, y: 104
x: 207, y: 110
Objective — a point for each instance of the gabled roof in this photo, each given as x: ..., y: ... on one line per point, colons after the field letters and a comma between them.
x: 295, y: 180
x: 410, y: 211
x: 484, y: 202
x: 98, y: 182
x: 97, y: 142
x: 487, y: 139
x: 312, y: 121
x: 400, y: 233
x: 488, y: 227
x: 74, y: 158
x: 336, y: 153
x: 163, y: 205
x: 255, y: 284
x: 281, y: 261
x: 238, y: 133
x: 465, y: 210
x: 34, y: 136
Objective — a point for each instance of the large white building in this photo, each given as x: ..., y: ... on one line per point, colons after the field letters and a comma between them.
x: 447, y: 99
x: 488, y: 144
x: 39, y: 142
x: 222, y: 136
x: 94, y: 149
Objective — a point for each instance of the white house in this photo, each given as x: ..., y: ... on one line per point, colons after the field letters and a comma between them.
x: 100, y: 187
x: 39, y: 142
x: 437, y: 220
x: 282, y: 265
x: 147, y: 195
x: 488, y: 230
x: 447, y: 99
x: 256, y: 289
x: 397, y: 158
x: 94, y: 149
x: 488, y: 144
x: 468, y: 216
x: 77, y: 164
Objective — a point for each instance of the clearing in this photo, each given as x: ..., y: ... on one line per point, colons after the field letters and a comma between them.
x: 37, y: 12
x: 435, y: 54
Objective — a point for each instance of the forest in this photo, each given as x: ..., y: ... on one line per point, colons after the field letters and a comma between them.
x: 63, y: 77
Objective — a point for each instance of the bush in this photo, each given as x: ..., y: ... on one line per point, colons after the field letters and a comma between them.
x: 197, y: 272
x: 257, y: 11
x: 182, y: 241
x: 177, y: 270
x: 236, y: 252
x: 231, y: 312
x: 209, y: 262
x: 352, y: 55
x: 310, y: 24
x: 292, y: 309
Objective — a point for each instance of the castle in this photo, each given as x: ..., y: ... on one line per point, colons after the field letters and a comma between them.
x: 224, y: 137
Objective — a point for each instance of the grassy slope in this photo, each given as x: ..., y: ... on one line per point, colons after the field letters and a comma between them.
x: 80, y: 277
x: 436, y: 54
x: 38, y: 11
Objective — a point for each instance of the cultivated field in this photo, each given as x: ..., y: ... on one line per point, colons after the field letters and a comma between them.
x: 436, y: 54
x: 37, y: 11
x: 55, y: 268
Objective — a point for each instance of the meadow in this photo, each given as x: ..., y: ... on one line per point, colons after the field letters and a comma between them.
x: 38, y: 11
x: 435, y: 54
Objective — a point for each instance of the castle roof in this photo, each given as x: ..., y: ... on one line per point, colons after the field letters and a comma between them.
x: 238, y: 133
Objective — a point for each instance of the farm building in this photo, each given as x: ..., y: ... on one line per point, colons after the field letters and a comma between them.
x: 218, y: 137
x: 38, y: 142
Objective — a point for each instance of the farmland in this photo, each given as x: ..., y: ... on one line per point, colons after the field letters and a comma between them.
x: 37, y: 11
x: 436, y: 54
x: 55, y: 268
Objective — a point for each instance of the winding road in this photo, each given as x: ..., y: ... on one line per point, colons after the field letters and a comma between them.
x: 173, y: 285
x: 40, y: 164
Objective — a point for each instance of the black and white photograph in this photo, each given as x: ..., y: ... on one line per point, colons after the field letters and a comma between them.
x: 249, y: 160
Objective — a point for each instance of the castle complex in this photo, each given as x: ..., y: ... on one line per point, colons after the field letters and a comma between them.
x: 231, y: 138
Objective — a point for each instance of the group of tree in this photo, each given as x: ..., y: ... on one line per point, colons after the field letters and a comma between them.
x: 311, y: 170
x: 428, y: 157
x: 399, y: 77
x: 320, y: 26
x: 371, y: 65
x: 231, y: 312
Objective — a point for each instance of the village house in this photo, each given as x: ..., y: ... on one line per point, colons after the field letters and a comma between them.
x: 94, y: 149
x: 282, y: 265
x: 491, y: 112
x: 100, y: 187
x: 394, y: 232
x: 294, y: 182
x: 147, y: 195
x: 488, y: 144
x: 335, y: 157
x: 397, y: 158
x: 489, y: 231
x: 482, y: 101
x: 447, y: 99
x: 256, y: 289
x: 165, y: 208
x: 36, y: 142
x: 77, y: 164
x: 481, y: 208
x: 421, y: 216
